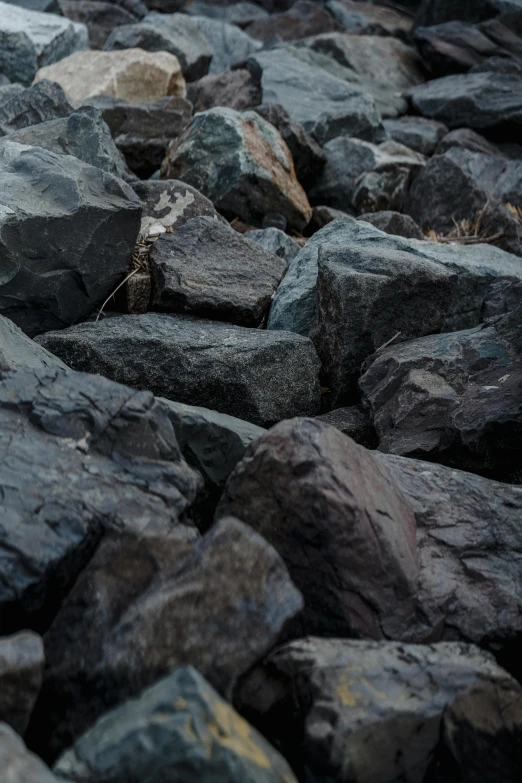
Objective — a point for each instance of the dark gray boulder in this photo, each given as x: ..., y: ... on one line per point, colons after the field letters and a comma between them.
x: 301, y: 20
x: 18, y: 764
x: 465, y: 138
x: 230, y: 45
x: 240, y: 13
x: 57, y: 207
x: 220, y: 745
x: 21, y: 672
x: 380, y: 712
x: 275, y: 241
x: 355, y: 422
x: 42, y: 102
x: 394, y: 223
x: 321, y: 216
x: 236, y: 89
x: 369, y: 19
x: 18, y: 351
x: 206, y: 268
x: 256, y: 375
x: 170, y: 204
x: 433, y: 12
x: 454, y: 398
x: 152, y: 604
x: 417, y: 133
x: 100, y: 18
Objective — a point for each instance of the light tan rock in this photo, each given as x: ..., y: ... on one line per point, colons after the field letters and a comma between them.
x: 131, y: 74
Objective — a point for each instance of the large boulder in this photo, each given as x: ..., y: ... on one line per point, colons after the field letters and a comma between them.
x: 151, y: 604
x: 132, y: 74
x: 242, y: 164
x: 21, y: 672
x: 30, y: 40
x: 206, y: 268
x: 230, y: 45
x: 67, y: 232
x: 41, y: 102
x: 261, y: 376
x: 370, y: 712
x: 326, y: 106
x: 452, y: 397
x: 18, y: 765
x: 82, y: 455
x: 219, y: 746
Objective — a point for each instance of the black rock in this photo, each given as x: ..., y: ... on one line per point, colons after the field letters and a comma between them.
x: 171, y: 204
x: 43, y: 101
x: 454, y: 47
x: 355, y: 422
x: 417, y: 133
x: 394, y: 223
x: 99, y: 17
x: 21, y: 672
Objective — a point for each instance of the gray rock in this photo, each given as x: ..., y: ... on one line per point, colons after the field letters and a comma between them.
x: 417, y: 133
x: 174, y: 33
x: 498, y: 64
x: 206, y: 268
x: 364, y: 299
x: 170, y: 204
x: 21, y: 671
x: 220, y: 746
x: 100, y: 18
x: 242, y: 164
x: 260, y: 376
x: 57, y: 206
x: 18, y: 764
x: 81, y: 455
x: 380, y: 712
x: 275, y: 241
x: 17, y: 351
x: 473, y: 100
x: 30, y: 39
x: 152, y: 604
x: 433, y: 12
x: 466, y: 139
x: 41, y: 102
x: 49, y: 6
x: 366, y: 177
x: 229, y: 44
x: 82, y: 134
x: 235, y: 89
x: 321, y: 216
x: 452, y: 397
x: 241, y: 14
x: 302, y: 19
x: 355, y: 422
x: 325, y: 105
x: 369, y: 19
x: 476, y: 266
x: 503, y: 297
x: 394, y: 223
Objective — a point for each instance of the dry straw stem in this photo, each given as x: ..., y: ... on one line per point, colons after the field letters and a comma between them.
x: 467, y: 232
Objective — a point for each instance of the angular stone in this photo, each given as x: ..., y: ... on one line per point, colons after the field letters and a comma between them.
x: 18, y: 764
x: 276, y: 242
x: 235, y: 89
x: 241, y: 14
x: 18, y: 351
x: 256, y: 375
x: 41, y: 102
x: 302, y: 19
x: 394, y: 223
x: 453, y: 47
x: 369, y: 19
x: 466, y: 139
x: 432, y: 12
x: 379, y: 712
x: 355, y: 422
x: 229, y: 44
x: 325, y: 105
x: 321, y: 216
x: 133, y: 75
x: 170, y: 204
x: 242, y: 164
x: 30, y: 40
x: 174, y: 33
x: 100, y: 18
x: 152, y: 604
x: 21, y: 671
x: 417, y: 133
x: 206, y: 268
x: 220, y: 746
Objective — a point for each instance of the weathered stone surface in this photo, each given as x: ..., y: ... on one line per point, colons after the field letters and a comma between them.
x: 394, y: 223
x: 325, y: 105
x: 170, y: 204
x: 432, y: 12
x: 241, y: 14
x: 220, y: 746
x: 322, y: 215
x: 19, y: 351
x: 82, y: 134
x: 30, y: 40
x: 56, y: 204
x: 206, y: 268
x: 236, y: 89
x: 382, y: 712
x: 454, y: 47
x: 40, y: 103
x: 276, y: 242
x: 452, y: 397
x: 417, y: 133
x: 100, y: 18
x: 133, y: 75
x: 242, y: 164
x: 364, y: 299
x: 152, y: 604
x: 502, y: 297
x: 253, y: 374
x: 229, y: 44
x: 81, y: 454
x: 369, y: 19
x: 21, y: 671
x: 474, y: 100
x: 142, y: 131
x: 355, y: 422
x: 174, y: 33
x: 302, y: 19
x: 365, y: 177
x: 18, y: 765
x: 466, y: 139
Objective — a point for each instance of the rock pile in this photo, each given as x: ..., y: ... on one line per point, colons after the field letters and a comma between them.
x: 260, y: 391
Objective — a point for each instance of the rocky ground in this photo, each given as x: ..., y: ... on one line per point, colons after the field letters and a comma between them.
x: 260, y: 391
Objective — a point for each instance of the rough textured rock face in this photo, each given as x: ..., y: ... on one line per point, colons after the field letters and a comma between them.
x: 324, y: 105
x: 369, y: 19
x: 82, y: 454
x: 17, y: 351
x: 41, y: 102
x: 56, y: 204
x: 30, y: 40
x: 253, y: 374
x: 417, y: 133
x: 133, y: 75
x: 235, y: 89
x: 300, y: 21
x: 389, y: 712
x: 171, y: 204
x: 275, y: 241
x: 229, y: 44
x: 18, y: 765
x: 355, y: 422
x: 21, y: 670
x: 208, y: 269
x: 100, y: 18
x: 150, y: 604
x: 222, y: 745
x: 452, y: 397
x: 242, y: 164
x: 240, y: 14
x: 394, y: 223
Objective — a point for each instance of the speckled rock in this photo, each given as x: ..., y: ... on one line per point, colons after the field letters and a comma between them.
x: 17, y: 350
x: 417, y: 133
x: 21, y: 108
x: 169, y: 204
x: 275, y: 241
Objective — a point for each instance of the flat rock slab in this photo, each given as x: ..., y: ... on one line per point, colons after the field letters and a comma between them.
x: 67, y: 233
x: 30, y: 40
x: 206, y: 268
x: 132, y: 74
x: 21, y: 673
x: 256, y: 375
x: 220, y: 746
